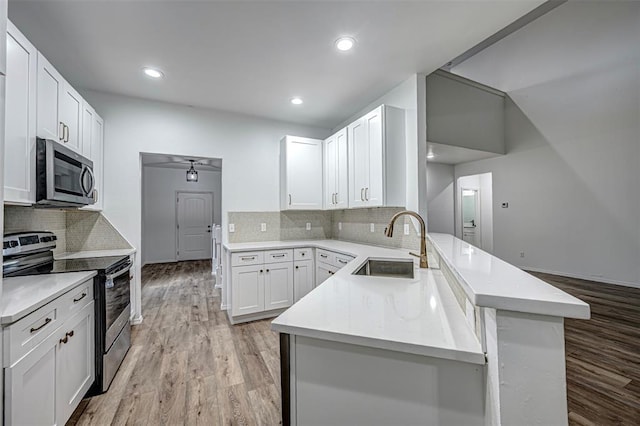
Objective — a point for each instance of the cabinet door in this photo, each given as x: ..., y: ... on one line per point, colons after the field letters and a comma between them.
x: 50, y: 88
x: 76, y: 362
x: 278, y: 286
x: 323, y: 272
x: 247, y: 292
x: 358, y: 163
x: 97, y: 155
x: 303, y: 281
x: 374, y: 190
x: 87, y: 130
x: 330, y: 172
x: 342, y: 173
x: 20, y: 118
x: 304, y: 173
x: 30, y: 386
x: 71, y: 115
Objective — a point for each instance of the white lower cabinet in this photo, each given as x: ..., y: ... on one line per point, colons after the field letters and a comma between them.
x: 278, y: 286
x: 248, y: 289
x: 45, y: 386
x: 324, y: 272
x: 303, y: 278
x: 328, y: 263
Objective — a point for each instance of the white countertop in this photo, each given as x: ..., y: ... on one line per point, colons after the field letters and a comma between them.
x: 23, y: 295
x: 94, y: 253
x: 491, y: 282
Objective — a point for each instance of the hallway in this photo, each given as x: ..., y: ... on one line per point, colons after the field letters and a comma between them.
x: 187, y: 365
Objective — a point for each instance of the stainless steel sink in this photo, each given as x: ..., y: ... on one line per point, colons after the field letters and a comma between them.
x: 386, y: 268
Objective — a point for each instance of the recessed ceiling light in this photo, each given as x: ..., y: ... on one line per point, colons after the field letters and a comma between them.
x: 296, y: 101
x: 345, y: 43
x: 153, y: 72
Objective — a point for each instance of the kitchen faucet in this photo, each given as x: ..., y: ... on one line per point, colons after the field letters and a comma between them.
x: 388, y: 231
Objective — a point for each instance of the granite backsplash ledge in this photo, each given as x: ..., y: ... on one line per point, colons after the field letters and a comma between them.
x: 77, y: 230
x: 347, y: 225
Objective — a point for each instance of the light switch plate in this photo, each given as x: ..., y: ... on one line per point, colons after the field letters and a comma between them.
x: 308, y: 226
x: 406, y: 229
x: 263, y: 227
x: 232, y: 227
x: 372, y: 227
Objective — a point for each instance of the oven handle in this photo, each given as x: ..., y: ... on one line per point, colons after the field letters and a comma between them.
x: 117, y: 274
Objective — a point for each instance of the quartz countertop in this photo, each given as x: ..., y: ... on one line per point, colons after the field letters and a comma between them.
x: 23, y: 295
x: 94, y: 253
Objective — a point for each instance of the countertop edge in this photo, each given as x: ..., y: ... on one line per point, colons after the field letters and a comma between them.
x: 95, y: 253
x: 82, y: 277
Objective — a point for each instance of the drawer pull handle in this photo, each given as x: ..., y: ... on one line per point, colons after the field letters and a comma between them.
x: 47, y: 321
x: 248, y: 258
x: 331, y: 272
x: 80, y: 298
x: 344, y: 262
x: 278, y: 255
x: 323, y: 255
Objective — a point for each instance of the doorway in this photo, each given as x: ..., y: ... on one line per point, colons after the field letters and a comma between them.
x: 194, y: 220
x: 474, y: 210
x: 471, y: 220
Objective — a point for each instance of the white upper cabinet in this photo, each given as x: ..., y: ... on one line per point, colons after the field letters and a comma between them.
x: 336, y: 177
x: 88, y: 115
x: 71, y: 109
x: 300, y: 173
x: 20, y: 118
x: 3, y: 30
x: 92, y: 148
x: 50, y: 88
x: 377, y: 159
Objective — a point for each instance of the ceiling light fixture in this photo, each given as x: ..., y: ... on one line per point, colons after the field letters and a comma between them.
x: 153, y: 72
x: 296, y: 101
x: 344, y: 44
x: 192, y: 174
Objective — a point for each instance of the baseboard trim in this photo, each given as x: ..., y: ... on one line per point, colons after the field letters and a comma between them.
x: 152, y: 262
x: 583, y: 277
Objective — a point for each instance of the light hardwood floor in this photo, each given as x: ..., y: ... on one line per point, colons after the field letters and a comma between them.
x: 187, y: 365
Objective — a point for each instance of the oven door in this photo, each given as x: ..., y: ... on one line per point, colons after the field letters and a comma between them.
x: 117, y: 299
x: 63, y: 177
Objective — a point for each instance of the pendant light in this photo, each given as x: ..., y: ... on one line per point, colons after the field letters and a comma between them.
x: 192, y: 174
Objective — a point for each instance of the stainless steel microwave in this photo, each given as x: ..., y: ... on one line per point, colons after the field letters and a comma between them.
x: 64, y: 178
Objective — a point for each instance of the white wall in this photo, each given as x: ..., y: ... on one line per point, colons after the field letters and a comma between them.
x: 248, y: 146
x: 572, y: 170
x: 440, y: 198
x: 159, y: 208
x: 483, y: 183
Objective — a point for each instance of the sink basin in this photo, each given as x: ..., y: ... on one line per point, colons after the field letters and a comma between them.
x: 386, y: 268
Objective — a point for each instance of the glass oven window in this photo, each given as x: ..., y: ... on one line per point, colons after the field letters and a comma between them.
x: 116, y: 297
x: 68, y: 174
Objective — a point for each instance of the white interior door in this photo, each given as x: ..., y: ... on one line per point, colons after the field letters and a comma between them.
x: 194, y: 217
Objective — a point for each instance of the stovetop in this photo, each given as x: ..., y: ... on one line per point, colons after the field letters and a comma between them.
x: 101, y: 264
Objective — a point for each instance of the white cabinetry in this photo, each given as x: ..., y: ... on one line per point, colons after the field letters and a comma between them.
x: 303, y: 273
x: 336, y: 177
x: 377, y: 159
x: 261, y: 284
x: 51, y: 360
x: 92, y: 147
x: 71, y: 117
x: 20, y: 118
x: 328, y: 263
x: 300, y: 173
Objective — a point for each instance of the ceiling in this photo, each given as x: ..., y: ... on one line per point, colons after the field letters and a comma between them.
x: 181, y: 162
x: 252, y: 57
x: 450, y: 154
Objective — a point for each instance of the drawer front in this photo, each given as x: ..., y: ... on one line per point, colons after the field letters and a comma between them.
x: 303, y: 254
x: 273, y: 256
x: 76, y: 299
x: 341, y: 260
x: 325, y: 256
x: 25, y: 334
x: 247, y: 258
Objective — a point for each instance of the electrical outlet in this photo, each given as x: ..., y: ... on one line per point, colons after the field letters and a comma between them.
x: 372, y: 227
x: 339, y: 226
x: 232, y: 227
x: 521, y: 254
x: 308, y: 226
x: 263, y: 227
x: 406, y: 229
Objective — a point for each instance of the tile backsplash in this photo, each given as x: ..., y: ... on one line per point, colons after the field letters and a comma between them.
x: 77, y: 230
x: 291, y: 225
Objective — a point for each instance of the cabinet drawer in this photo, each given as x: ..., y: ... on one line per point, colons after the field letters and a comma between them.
x: 76, y: 299
x: 341, y: 260
x: 325, y: 256
x: 247, y: 258
x: 26, y: 333
x: 273, y: 256
x: 303, y: 254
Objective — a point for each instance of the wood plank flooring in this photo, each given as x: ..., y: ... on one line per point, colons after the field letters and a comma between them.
x: 187, y: 365
x: 602, y: 354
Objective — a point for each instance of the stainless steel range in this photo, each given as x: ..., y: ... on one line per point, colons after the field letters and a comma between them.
x: 31, y: 253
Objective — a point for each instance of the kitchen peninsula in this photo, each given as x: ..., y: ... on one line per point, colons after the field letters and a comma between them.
x: 472, y: 340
